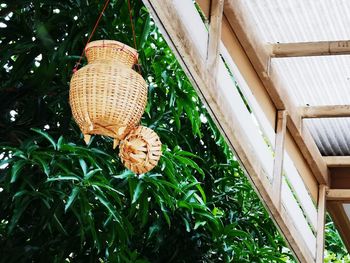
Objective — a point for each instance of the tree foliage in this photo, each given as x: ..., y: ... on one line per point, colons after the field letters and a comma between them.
x: 68, y: 202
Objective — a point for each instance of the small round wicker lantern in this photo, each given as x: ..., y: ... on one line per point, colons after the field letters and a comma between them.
x: 107, y: 96
x: 140, y: 150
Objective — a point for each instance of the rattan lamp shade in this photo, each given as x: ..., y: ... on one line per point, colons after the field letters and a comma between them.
x: 107, y: 96
x: 140, y: 150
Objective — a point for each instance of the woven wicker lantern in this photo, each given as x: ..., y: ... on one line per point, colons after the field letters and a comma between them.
x: 108, y: 98
x: 140, y: 150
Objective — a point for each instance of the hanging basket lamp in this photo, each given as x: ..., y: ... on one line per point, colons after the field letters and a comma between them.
x: 140, y: 150
x: 108, y: 98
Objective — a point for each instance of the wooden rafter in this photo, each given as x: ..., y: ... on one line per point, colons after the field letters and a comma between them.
x: 302, y: 49
x: 260, y: 59
x: 338, y: 195
x: 214, y: 38
x: 329, y: 111
x: 337, y: 161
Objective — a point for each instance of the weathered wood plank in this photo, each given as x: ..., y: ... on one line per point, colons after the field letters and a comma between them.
x: 302, y: 195
x: 321, y: 217
x: 279, y: 156
x: 302, y: 49
x: 338, y: 195
x: 329, y: 111
x: 337, y: 161
x: 214, y: 39
x: 296, y: 214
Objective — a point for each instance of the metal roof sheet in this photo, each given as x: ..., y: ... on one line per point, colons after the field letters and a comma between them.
x: 310, y: 80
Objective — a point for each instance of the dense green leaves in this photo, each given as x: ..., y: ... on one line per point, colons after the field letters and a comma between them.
x: 63, y: 201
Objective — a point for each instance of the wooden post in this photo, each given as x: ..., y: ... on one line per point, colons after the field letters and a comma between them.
x: 321, y: 215
x: 214, y: 39
x: 281, y: 125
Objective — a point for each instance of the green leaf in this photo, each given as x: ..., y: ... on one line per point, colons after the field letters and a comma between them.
x: 144, y: 209
x: 186, y: 154
x: 124, y: 175
x: 83, y: 166
x: 60, y: 226
x: 202, y: 192
x: 187, y: 224
x: 92, y: 173
x: 145, y: 32
x: 109, y: 207
x: 138, y: 191
x: 190, y: 163
x: 46, y: 135
x: 63, y: 178
x: 72, y: 197
x: 43, y: 163
x: 16, y: 169
x: 104, y: 185
x: 199, y: 223
x: 60, y: 142
x: 18, y: 211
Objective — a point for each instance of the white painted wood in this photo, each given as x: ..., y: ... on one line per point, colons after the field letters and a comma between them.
x: 296, y: 214
x: 264, y: 124
x: 300, y: 191
x: 199, y: 34
x: 321, y: 218
x: 229, y: 92
x: 214, y: 40
x: 291, y: 171
x: 279, y: 156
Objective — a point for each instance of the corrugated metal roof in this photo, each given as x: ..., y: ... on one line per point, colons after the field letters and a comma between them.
x: 310, y: 80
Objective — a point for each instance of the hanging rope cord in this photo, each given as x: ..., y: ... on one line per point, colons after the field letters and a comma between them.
x: 94, y: 30
x: 133, y: 33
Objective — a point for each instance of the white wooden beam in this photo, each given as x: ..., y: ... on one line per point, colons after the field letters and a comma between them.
x: 337, y: 161
x: 302, y: 49
x: 214, y: 39
x: 260, y: 59
x: 321, y: 216
x: 279, y: 155
x: 295, y: 213
x: 338, y: 195
x: 329, y: 111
